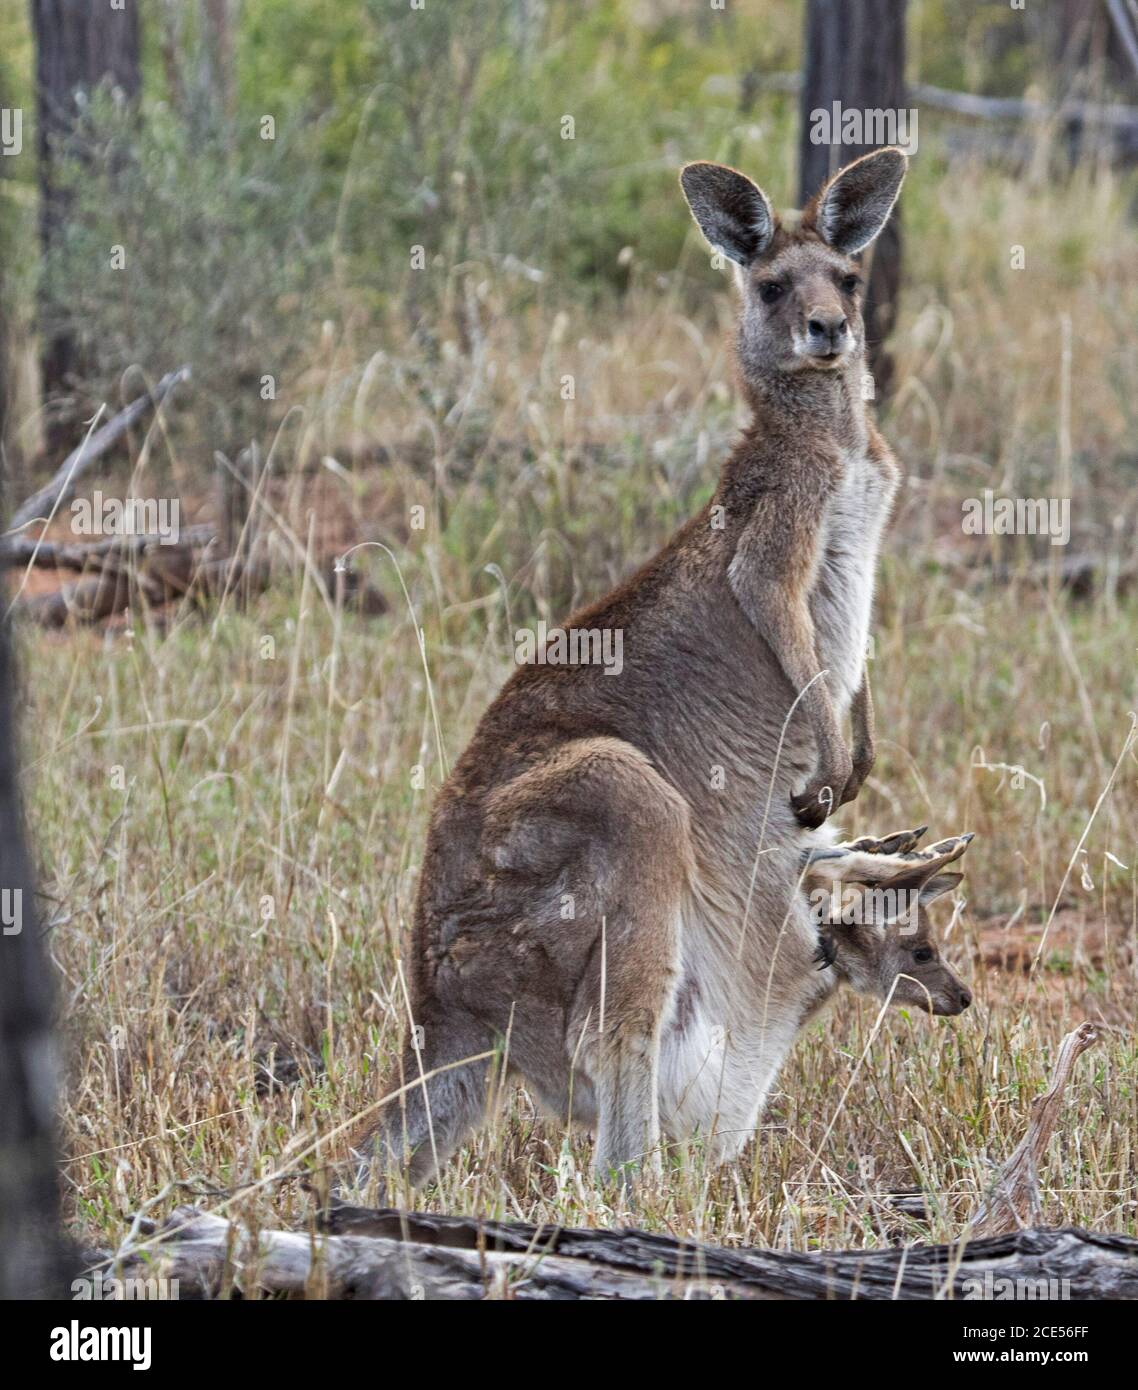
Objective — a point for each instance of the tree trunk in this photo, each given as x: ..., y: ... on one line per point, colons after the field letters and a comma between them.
x: 218, y: 18
x: 7, y: 259
x: 855, y: 55
x: 32, y: 1259
x: 78, y: 45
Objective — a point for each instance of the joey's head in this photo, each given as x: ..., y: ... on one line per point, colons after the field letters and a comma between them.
x: 801, y: 286
x: 885, y: 936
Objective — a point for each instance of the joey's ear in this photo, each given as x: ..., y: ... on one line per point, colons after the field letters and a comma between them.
x: 854, y: 206
x: 733, y: 213
x: 935, y: 887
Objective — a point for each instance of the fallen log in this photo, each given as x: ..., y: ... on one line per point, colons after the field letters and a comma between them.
x: 389, y: 1254
x: 1083, y: 576
x: 41, y: 504
x: 118, y: 573
x: 20, y: 551
x: 122, y: 571
x: 159, y: 575
x: 91, y: 599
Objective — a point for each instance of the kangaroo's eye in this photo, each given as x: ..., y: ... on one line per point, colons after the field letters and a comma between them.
x: 922, y: 955
x: 770, y: 291
x: 850, y: 284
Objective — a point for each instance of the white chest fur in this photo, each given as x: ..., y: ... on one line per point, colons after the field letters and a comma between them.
x: 748, y: 981
x: 842, y: 601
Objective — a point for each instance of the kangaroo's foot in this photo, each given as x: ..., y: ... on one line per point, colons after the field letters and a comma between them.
x: 899, y: 842
x: 871, y: 860
x: 948, y: 849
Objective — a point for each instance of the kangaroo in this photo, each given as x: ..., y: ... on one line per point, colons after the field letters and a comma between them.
x: 609, y: 890
x: 880, y: 942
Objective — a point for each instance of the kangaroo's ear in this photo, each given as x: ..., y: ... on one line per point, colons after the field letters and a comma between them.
x: 733, y: 213
x: 854, y: 206
x: 935, y: 887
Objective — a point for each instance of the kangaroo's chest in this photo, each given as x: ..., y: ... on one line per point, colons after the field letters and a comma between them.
x: 842, y: 599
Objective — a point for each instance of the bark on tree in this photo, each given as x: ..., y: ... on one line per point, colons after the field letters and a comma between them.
x: 218, y: 18
x: 78, y: 46
x: 855, y: 54
x: 32, y: 1257
x: 5, y: 375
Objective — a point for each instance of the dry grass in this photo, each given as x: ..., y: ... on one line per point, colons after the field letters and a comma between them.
x: 229, y: 832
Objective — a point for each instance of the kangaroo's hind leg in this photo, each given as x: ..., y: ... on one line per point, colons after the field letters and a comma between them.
x: 628, y: 874
x: 622, y: 1004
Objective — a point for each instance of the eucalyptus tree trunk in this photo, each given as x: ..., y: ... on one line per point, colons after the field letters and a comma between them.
x: 79, y: 44
x: 32, y: 1258
x: 854, y: 54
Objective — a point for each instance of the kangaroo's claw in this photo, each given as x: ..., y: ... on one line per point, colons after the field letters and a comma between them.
x: 827, y: 952
x: 899, y: 842
x: 810, y: 809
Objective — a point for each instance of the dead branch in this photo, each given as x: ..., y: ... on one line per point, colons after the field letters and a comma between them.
x: 1119, y: 120
x: 115, y: 551
x: 1014, y: 1201
x: 155, y: 575
x: 39, y: 506
x: 1122, y: 120
x: 388, y: 1254
x: 1083, y: 576
x: 91, y: 599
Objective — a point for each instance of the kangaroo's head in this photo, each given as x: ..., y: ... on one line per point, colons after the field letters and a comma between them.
x: 885, y: 936
x: 801, y: 286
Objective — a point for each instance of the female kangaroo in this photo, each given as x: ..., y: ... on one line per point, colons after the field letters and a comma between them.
x: 610, y: 887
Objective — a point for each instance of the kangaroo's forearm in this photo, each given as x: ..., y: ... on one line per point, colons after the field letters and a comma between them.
x: 782, y: 619
x: 771, y: 575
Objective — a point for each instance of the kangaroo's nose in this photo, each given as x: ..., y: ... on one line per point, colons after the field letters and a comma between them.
x: 826, y: 330
x: 965, y: 998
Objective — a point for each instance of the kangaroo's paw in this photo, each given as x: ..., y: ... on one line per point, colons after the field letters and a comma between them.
x: 827, y: 951
x: 899, y: 842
